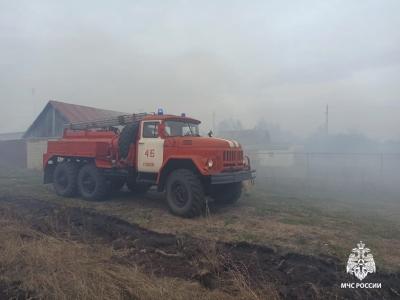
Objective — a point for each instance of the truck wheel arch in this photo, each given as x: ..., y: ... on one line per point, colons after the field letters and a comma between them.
x: 48, y: 173
x: 50, y: 164
x: 174, y: 164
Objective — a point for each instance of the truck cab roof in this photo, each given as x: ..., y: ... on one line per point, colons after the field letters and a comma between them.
x: 171, y: 117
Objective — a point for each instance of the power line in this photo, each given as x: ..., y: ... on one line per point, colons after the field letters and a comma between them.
x: 327, y: 119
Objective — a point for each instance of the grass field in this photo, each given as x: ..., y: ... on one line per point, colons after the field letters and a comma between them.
x: 36, y: 265
x: 305, y: 225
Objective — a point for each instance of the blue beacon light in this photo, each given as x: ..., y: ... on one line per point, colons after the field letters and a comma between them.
x: 160, y: 111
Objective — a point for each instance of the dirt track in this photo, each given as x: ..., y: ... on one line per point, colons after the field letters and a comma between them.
x: 213, y: 264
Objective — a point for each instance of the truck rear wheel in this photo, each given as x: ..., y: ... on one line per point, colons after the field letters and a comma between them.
x: 185, y: 193
x: 91, y: 183
x: 227, y: 193
x: 64, y: 179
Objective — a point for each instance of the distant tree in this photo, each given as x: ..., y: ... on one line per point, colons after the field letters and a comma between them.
x: 275, y: 134
x: 344, y: 142
x: 262, y: 124
x: 229, y: 124
x: 391, y: 146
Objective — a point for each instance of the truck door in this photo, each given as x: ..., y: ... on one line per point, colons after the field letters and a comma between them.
x: 150, y: 148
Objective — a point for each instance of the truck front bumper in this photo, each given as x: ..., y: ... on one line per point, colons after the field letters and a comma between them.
x: 231, y: 177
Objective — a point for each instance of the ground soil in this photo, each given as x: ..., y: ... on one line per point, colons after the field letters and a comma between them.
x: 214, y: 264
x: 13, y: 291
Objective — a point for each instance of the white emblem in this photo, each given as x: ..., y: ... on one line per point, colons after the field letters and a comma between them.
x: 361, y: 262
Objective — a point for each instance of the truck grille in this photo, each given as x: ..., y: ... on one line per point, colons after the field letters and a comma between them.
x: 233, y: 156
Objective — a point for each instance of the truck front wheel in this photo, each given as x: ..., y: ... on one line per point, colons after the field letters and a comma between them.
x: 64, y: 179
x: 185, y: 193
x: 91, y: 183
x: 227, y: 193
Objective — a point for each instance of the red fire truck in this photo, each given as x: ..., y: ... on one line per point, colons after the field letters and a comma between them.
x: 92, y: 159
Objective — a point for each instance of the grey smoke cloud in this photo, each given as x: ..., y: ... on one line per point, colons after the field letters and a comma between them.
x: 281, y: 60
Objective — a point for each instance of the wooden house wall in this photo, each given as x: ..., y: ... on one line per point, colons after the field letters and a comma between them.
x: 49, y: 124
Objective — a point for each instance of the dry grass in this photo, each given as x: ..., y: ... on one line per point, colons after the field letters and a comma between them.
x: 241, y: 280
x: 50, y: 267
x: 300, y: 224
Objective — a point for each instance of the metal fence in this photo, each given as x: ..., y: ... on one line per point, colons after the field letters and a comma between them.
x: 329, y: 174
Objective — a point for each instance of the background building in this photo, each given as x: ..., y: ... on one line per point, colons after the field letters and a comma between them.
x: 50, y: 122
x: 26, y: 149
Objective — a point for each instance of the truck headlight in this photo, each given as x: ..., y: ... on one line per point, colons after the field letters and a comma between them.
x: 210, y: 163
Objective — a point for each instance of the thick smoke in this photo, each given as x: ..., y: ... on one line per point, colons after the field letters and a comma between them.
x: 282, y: 61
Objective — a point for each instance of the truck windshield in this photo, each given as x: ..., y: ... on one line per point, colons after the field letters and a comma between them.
x: 181, y: 128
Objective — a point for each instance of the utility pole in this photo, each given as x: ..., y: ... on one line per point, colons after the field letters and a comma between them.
x: 33, y: 102
x: 327, y: 120
x: 213, y: 122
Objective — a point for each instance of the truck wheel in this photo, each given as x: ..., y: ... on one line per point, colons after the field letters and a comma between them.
x: 91, y: 183
x: 185, y: 193
x: 64, y: 179
x: 137, y: 188
x: 227, y: 193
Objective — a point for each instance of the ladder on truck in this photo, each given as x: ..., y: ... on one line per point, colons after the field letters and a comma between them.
x: 107, y: 123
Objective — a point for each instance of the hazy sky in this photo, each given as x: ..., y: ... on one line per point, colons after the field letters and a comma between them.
x: 281, y: 60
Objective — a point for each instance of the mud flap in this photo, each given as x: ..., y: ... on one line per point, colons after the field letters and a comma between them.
x: 48, y: 174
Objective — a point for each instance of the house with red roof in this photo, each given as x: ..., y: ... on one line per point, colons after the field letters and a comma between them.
x: 52, y: 119
x: 26, y: 150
